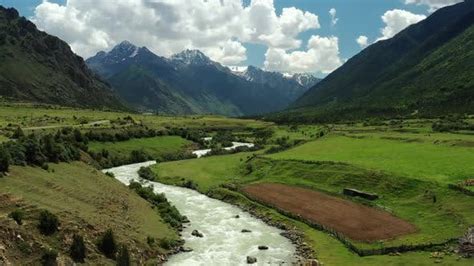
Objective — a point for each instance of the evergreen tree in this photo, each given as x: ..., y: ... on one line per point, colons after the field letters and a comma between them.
x: 107, y: 244
x: 78, y: 249
x: 4, y: 159
x: 123, y: 258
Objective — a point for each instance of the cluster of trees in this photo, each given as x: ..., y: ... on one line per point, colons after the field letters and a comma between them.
x: 146, y: 173
x: 64, y: 146
x: 452, y: 123
x: 168, y: 212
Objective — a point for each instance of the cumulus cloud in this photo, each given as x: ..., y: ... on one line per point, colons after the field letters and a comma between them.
x: 433, y: 5
x: 332, y: 13
x: 396, y: 20
x: 322, y: 55
x: 219, y: 28
x: 363, y: 41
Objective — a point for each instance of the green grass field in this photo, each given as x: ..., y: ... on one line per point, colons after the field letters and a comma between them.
x: 155, y: 146
x: 86, y: 202
x: 42, y: 116
x: 426, y: 161
x: 405, y: 197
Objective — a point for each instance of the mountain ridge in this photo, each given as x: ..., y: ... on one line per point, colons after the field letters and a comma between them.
x: 55, y: 75
x: 402, y: 75
x: 188, y: 82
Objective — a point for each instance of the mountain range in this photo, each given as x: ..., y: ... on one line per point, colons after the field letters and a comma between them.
x: 426, y: 69
x: 191, y: 83
x: 40, y: 68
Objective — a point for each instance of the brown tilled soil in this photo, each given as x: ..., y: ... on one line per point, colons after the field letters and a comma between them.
x: 356, y: 221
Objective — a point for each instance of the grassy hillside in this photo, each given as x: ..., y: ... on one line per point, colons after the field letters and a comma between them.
x: 426, y: 69
x: 37, y: 67
x: 87, y: 202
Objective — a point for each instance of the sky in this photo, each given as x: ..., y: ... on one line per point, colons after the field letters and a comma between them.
x: 289, y: 36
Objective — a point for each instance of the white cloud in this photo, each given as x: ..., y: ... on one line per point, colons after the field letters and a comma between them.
x: 433, y: 4
x: 322, y: 55
x: 217, y: 27
x: 396, y: 20
x: 362, y: 41
x: 332, y: 13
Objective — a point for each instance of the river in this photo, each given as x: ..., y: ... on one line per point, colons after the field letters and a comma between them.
x: 223, y: 242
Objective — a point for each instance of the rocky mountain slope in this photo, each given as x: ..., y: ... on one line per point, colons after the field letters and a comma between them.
x: 37, y: 67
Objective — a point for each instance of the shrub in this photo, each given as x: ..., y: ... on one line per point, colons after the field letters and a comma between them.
x: 137, y: 156
x: 17, y: 216
x: 146, y: 173
x: 150, y: 240
x: 4, y: 160
x: 49, y: 257
x: 107, y: 244
x: 78, y: 249
x: 110, y: 174
x: 49, y: 223
x: 18, y: 133
x: 167, y: 243
x: 123, y: 258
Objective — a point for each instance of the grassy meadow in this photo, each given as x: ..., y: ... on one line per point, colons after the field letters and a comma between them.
x: 428, y: 161
x: 411, y: 178
x: 155, y: 146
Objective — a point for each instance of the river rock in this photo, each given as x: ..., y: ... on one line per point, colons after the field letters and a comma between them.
x: 262, y: 247
x: 196, y: 233
x: 185, y: 249
x: 246, y: 231
x: 185, y: 220
x: 251, y: 260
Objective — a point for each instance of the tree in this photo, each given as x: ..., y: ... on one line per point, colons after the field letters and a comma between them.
x: 78, y: 249
x: 49, y: 223
x: 4, y: 159
x: 17, y: 216
x: 107, y: 244
x: 49, y: 258
x: 123, y: 258
x: 18, y: 133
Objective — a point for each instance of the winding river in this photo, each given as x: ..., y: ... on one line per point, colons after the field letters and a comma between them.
x: 223, y: 242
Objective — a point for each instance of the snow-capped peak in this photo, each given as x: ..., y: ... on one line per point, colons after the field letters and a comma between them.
x: 122, y: 51
x: 194, y: 57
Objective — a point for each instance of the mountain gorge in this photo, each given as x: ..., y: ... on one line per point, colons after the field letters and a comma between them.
x: 426, y: 69
x: 40, y: 68
x: 191, y: 83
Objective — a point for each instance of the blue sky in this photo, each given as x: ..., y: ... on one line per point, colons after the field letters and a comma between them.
x: 355, y: 18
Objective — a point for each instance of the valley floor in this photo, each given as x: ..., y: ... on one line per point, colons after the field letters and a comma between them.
x: 422, y: 180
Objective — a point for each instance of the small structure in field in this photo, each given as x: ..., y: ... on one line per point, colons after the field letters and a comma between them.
x: 357, y: 193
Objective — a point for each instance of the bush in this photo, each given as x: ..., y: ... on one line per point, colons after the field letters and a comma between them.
x: 4, y: 160
x: 17, y: 216
x: 167, y: 243
x: 49, y: 223
x: 78, y: 249
x: 123, y: 258
x: 146, y: 173
x: 49, y: 258
x: 107, y: 244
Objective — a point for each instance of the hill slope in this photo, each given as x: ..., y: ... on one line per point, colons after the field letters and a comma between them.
x: 101, y: 203
x: 427, y: 68
x: 187, y: 83
x: 37, y: 67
